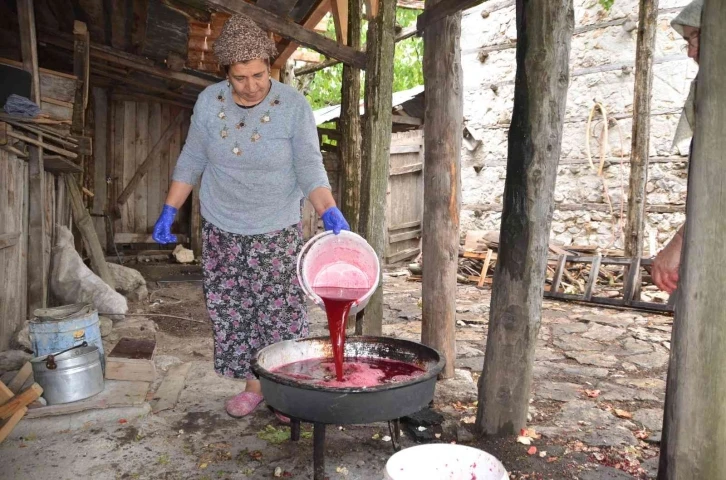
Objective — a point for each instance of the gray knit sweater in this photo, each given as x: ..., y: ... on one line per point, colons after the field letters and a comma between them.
x: 255, y: 163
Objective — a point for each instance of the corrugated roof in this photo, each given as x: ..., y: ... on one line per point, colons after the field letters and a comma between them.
x: 327, y: 114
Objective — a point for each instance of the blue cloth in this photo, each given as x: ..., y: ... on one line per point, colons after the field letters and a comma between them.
x: 162, y: 228
x: 17, y: 105
x: 255, y: 163
x: 334, y: 220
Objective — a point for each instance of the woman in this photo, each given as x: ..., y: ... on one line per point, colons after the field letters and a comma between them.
x: 667, y: 262
x: 253, y: 141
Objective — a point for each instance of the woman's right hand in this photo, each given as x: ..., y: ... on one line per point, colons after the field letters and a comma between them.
x: 667, y: 263
x: 162, y: 228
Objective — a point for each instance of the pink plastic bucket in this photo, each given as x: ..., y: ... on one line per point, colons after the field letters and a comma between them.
x: 345, y: 260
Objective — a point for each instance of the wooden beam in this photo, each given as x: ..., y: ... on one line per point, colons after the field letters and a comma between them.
x: 442, y: 184
x: 544, y: 30
x: 376, y: 146
x: 339, y: 9
x: 308, y: 69
x: 133, y: 62
x: 443, y: 9
x: 293, y: 31
x: 695, y: 413
x: 138, y: 25
x: 150, y: 159
x: 313, y: 19
x: 117, y: 15
x: 407, y: 120
x: 37, y: 258
x: 278, y: 7
x: 639, y: 152
x: 121, y: 238
x: 81, y: 70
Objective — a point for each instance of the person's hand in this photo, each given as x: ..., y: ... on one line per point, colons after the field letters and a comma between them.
x: 162, y: 227
x: 333, y: 220
x: 666, y: 263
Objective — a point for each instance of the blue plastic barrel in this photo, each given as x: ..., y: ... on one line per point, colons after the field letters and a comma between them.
x: 59, y: 328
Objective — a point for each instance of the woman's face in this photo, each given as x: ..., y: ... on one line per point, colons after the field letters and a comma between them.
x: 250, y: 80
x: 692, y: 35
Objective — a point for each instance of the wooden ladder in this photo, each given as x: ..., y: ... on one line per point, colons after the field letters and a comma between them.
x: 631, y: 283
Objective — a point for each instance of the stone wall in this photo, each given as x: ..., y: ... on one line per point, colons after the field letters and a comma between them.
x: 602, y: 71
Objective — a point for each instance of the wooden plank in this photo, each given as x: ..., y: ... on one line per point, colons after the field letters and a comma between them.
x: 407, y: 120
x: 611, y: 302
x: 100, y: 159
x: 83, y: 222
x: 401, y: 226
x: 293, y: 31
x: 631, y: 278
x: 9, y: 239
x: 28, y: 396
x: 140, y: 10
x: 130, y: 370
x: 150, y: 159
x: 122, y: 237
x: 339, y: 9
x: 404, y: 255
x: 168, y: 392
x: 376, y: 149
x: 154, y: 199
x: 37, y: 293
x: 557, y: 278
x: 20, y: 378
x: 416, y: 167
x: 545, y: 31
x: 38, y: 142
x: 5, y: 393
x: 372, y: 9
x: 115, y: 394
x: 592, y: 279
x: 485, y: 268
x: 640, y: 145
x: 81, y: 69
x: 140, y: 191
x: 119, y: 36
x: 405, y: 149
x: 400, y: 237
x: 128, y: 163
x: 11, y: 422
x: 163, y: 168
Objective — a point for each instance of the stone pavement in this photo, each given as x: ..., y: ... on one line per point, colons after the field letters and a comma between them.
x: 599, y: 384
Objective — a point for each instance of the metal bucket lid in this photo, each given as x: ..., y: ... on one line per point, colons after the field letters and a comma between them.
x: 64, y: 312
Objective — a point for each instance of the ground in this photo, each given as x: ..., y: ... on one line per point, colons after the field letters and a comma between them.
x: 596, y: 409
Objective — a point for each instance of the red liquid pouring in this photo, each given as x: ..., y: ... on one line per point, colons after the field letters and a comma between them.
x: 337, y: 305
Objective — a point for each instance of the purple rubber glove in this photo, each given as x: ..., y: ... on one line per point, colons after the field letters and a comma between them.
x: 334, y: 220
x: 162, y: 227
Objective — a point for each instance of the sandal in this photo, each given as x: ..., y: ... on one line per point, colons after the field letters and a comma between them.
x: 243, y: 404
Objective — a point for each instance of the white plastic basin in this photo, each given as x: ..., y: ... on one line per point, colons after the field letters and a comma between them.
x: 443, y: 461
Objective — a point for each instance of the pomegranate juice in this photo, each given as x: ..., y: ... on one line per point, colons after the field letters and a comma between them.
x: 358, y: 372
x: 337, y: 305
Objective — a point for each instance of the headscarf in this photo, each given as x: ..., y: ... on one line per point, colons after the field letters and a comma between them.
x: 690, y: 16
x: 242, y: 40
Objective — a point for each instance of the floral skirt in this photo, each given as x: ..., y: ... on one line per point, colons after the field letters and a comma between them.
x: 252, y: 294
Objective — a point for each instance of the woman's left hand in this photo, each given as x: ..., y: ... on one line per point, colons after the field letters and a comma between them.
x: 334, y: 220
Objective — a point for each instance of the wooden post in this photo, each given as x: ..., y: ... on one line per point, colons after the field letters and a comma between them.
x: 544, y: 30
x: 647, y: 27
x: 81, y: 69
x: 442, y: 183
x: 694, y: 430
x: 350, y: 144
x: 37, y: 258
x: 376, y: 147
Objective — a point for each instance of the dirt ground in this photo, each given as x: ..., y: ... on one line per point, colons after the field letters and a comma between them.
x: 595, y: 413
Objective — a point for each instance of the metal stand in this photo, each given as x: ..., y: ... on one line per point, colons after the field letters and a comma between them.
x: 394, y: 427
